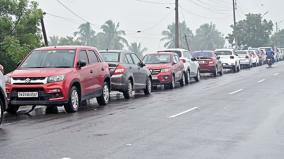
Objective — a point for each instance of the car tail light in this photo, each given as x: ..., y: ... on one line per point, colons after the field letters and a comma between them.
x: 119, y: 70
x: 211, y: 61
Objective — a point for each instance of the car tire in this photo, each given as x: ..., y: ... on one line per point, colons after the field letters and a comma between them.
x: 221, y: 72
x: 215, y: 73
x: 105, y: 97
x: 74, y: 101
x: 187, y: 77
x: 1, y: 111
x: 172, y: 85
x: 182, y: 81
x: 148, y: 89
x: 128, y: 93
x: 197, y: 78
x: 12, y: 109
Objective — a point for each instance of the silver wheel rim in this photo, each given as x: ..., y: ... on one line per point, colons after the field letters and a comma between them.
x: 106, y: 93
x: 198, y: 75
x: 149, y: 85
x: 130, y: 90
x: 173, y: 82
x: 188, y: 76
x: 75, y: 99
x: 1, y: 112
x: 183, y: 79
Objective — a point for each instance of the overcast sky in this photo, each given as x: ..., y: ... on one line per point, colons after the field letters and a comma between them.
x: 152, y: 18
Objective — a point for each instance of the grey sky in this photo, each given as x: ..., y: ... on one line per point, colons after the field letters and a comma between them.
x: 152, y: 18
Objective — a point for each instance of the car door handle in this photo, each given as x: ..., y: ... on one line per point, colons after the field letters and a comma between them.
x: 91, y: 71
x: 103, y: 69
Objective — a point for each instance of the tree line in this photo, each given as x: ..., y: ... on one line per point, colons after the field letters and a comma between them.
x: 20, y: 33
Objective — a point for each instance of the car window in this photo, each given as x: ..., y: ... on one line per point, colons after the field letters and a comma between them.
x: 220, y: 53
x: 92, y: 57
x: 111, y: 56
x: 176, y: 59
x: 129, y: 59
x: 135, y: 59
x: 83, y: 56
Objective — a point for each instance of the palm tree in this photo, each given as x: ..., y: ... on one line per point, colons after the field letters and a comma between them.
x: 169, y: 36
x: 137, y: 49
x: 53, y: 40
x: 86, y: 35
x: 111, y: 36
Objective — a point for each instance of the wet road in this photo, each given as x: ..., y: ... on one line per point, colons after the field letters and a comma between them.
x: 231, y: 117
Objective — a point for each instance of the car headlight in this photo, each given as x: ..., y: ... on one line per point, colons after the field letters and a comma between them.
x: 57, y: 78
x: 165, y: 70
x: 7, y: 79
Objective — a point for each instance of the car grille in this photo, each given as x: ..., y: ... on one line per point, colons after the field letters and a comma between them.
x: 155, y: 72
x: 28, y: 80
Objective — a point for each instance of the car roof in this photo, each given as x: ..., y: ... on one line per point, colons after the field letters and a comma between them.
x: 224, y: 50
x: 65, y: 47
x: 115, y: 51
x: 203, y: 51
x: 173, y: 49
x: 160, y: 52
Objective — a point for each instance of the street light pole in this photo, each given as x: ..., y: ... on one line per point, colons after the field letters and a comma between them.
x: 176, y: 24
x: 235, y: 23
x: 43, y: 30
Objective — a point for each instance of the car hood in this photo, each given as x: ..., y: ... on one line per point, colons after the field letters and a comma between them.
x: 158, y: 66
x: 43, y: 72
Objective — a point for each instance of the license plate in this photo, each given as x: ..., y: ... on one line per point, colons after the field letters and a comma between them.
x: 28, y: 94
x: 154, y: 77
x: 201, y: 62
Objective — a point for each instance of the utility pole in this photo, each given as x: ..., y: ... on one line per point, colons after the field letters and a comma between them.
x: 177, y: 24
x: 235, y: 23
x: 187, y: 44
x: 43, y: 30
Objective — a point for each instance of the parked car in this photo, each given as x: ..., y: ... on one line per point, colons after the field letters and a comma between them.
x: 209, y: 62
x: 281, y: 51
x: 266, y: 49
x: 229, y: 58
x: 59, y: 76
x: 245, y: 58
x: 261, y: 55
x: 254, y: 58
x: 3, y: 101
x: 166, y: 69
x: 191, y: 66
x: 128, y: 72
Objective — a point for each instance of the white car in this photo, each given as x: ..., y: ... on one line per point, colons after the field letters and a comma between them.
x: 245, y: 58
x: 254, y: 58
x: 191, y: 65
x: 229, y: 58
x: 3, y: 101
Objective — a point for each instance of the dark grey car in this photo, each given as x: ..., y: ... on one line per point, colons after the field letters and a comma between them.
x: 128, y: 73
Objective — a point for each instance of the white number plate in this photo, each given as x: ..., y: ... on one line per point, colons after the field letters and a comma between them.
x: 201, y: 62
x: 154, y: 77
x: 28, y: 94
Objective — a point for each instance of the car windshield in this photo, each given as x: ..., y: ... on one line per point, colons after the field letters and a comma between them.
x: 202, y: 54
x: 110, y: 56
x: 173, y: 51
x: 157, y: 59
x: 50, y: 59
x: 220, y: 53
x: 242, y: 52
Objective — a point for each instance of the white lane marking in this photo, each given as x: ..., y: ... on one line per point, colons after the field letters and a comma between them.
x: 260, y: 81
x: 235, y: 92
x: 184, y: 112
x: 66, y: 158
x: 276, y: 74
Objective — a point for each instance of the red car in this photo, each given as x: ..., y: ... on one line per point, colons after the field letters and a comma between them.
x: 209, y: 62
x: 59, y: 76
x: 166, y: 69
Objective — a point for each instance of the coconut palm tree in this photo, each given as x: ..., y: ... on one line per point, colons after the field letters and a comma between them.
x: 111, y: 36
x: 137, y: 49
x: 86, y: 35
x: 169, y: 36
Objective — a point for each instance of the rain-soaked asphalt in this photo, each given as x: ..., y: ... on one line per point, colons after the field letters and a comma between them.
x: 237, y: 116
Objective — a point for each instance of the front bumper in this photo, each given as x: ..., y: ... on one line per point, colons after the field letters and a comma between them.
x: 162, y: 78
x: 48, y: 94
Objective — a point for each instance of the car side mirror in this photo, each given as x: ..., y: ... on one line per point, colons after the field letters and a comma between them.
x: 174, y: 63
x: 81, y: 64
x: 218, y: 57
x: 141, y: 64
x: 193, y: 59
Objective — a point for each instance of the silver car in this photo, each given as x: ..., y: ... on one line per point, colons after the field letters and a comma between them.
x: 3, y: 102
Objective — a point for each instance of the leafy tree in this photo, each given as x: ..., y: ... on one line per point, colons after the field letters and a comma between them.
x: 54, y: 40
x: 137, y: 49
x: 111, y: 36
x: 86, y: 35
x: 69, y: 40
x: 278, y: 38
x: 252, y: 31
x: 19, y: 30
x: 207, y: 37
x: 169, y: 36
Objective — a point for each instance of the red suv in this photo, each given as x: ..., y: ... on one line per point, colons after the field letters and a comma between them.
x: 59, y: 76
x: 166, y: 69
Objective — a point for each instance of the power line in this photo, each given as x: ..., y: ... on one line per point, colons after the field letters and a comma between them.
x: 208, y: 8
x: 152, y: 2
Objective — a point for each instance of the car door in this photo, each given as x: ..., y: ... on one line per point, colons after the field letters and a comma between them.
x: 193, y: 65
x: 85, y: 73
x: 141, y: 74
x: 178, y: 68
x: 96, y: 72
x: 132, y: 69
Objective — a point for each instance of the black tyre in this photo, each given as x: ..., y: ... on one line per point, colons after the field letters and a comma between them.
x: 74, y: 101
x: 105, y: 97
x: 215, y: 73
x: 187, y: 77
x: 148, y: 89
x: 12, y: 109
x: 182, y: 81
x: 1, y: 111
x: 172, y: 85
x: 221, y: 72
x: 197, y: 78
x: 128, y: 93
